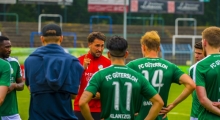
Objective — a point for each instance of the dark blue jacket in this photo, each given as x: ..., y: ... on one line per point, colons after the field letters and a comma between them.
x: 53, y: 75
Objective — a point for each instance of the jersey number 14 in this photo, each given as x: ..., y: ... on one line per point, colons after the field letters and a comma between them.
x: 156, y: 80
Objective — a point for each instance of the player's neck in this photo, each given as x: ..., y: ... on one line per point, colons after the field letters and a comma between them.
x: 47, y: 43
x: 211, y: 50
x: 117, y: 62
x: 151, y: 54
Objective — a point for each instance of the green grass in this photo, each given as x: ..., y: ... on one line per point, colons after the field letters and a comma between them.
x: 181, y: 112
x: 23, y: 103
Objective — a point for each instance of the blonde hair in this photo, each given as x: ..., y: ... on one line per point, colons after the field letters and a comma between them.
x: 51, y: 38
x: 212, y: 36
x: 151, y: 40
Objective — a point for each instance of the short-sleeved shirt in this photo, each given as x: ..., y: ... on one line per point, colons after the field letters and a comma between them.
x: 119, y: 87
x: 207, y: 75
x: 5, y: 73
x: 161, y: 74
x: 10, y: 105
x: 95, y: 65
x: 195, y: 101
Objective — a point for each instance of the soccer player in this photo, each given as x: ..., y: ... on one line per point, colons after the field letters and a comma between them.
x: 161, y: 74
x: 207, y: 75
x: 53, y: 77
x: 9, y: 109
x: 92, y: 62
x: 119, y: 87
x: 198, y: 54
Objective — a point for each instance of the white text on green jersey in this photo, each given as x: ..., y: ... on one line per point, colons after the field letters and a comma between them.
x: 214, y: 64
x: 121, y: 75
x: 148, y: 64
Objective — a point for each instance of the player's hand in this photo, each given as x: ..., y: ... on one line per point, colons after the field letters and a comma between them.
x: 97, y: 96
x: 216, y: 104
x: 86, y: 62
x: 165, y: 110
x: 12, y: 87
x: 135, y: 114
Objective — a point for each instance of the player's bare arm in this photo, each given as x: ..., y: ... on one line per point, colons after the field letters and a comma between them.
x: 156, y: 107
x: 86, y: 62
x: 3, y: 92
x: 205, y: 102
x: 189, y: 87
x: 29, y: 88
x: 19, y: 85
x: 83, y: 104
x: 217, y: 104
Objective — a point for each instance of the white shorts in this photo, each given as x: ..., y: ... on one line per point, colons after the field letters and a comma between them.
x: 11, y: 117
x: 193, y: 118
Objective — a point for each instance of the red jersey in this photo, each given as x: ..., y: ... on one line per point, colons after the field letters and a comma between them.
x: 95, y: 65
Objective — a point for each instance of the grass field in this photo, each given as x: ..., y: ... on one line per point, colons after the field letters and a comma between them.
x: 181, y: 112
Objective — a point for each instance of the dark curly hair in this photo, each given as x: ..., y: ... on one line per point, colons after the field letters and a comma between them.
x: 198, y: 45
x: 2, y: 38
x: 96, y: 35
x: 117, y: 46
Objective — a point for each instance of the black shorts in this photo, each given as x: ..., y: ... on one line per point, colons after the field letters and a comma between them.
x: 95, y: 115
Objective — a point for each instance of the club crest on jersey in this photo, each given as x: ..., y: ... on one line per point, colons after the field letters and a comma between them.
x: 100, y: 67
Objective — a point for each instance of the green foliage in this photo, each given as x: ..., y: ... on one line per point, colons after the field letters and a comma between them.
x: 78, y: 13
x: 25, y: 12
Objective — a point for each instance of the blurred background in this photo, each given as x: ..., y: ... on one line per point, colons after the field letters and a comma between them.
x: 178, y: 22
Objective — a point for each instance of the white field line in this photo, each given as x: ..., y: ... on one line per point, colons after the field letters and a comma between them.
x: 176, y: 113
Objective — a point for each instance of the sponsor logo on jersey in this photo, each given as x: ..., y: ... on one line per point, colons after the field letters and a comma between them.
x: 88, y: 76
x: 146, y: 103
x: 120, y: 116
x: 100, y: 67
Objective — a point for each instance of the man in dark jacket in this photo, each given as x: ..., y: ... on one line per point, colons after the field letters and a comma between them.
x: 52, y: 76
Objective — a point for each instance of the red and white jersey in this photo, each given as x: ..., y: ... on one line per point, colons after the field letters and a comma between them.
x: 95, y: 65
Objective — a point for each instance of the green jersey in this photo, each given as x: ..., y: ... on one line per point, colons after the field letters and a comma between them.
x: 161, y: 74
x: 10, y: 105
x: 4, y: 73
x: 207, y: 75
x: 195, y: 101
x: 119, y: 88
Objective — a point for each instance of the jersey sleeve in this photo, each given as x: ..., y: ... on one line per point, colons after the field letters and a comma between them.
x: 198, y: 76
x: 177, y: 73
x: 93, y: 84
x: 5, y: 75
x: 147, y: 89
x: 19, y: 73
x: 191, y: 73
x: 130, y: 65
